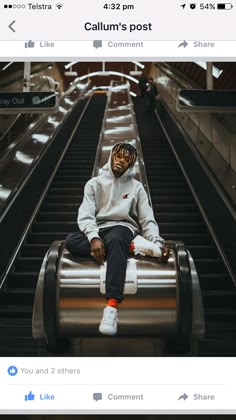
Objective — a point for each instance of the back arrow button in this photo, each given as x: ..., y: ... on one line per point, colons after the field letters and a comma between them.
x: 10, y: 26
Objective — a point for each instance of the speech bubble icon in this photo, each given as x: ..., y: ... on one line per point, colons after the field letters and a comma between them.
x: 97, y: 396
x: 97, y: 44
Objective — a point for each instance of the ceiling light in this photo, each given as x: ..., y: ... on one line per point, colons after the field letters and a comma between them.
x: 215, y: 71
x: 137, y: 63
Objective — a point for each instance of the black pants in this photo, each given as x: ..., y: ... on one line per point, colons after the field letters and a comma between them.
x: 151, y: 103
x: 116, y: 242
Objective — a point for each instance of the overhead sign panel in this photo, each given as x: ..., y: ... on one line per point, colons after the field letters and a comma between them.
x: 203, y: 100
x: 28, y: 102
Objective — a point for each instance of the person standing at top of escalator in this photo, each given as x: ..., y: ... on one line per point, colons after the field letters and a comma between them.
x: 142, y: 85
x: 151, y: 94
x: 114, y: 212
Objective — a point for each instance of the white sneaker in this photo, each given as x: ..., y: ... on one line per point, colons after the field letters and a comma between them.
x: 144, y: 247
x: 108, y: 323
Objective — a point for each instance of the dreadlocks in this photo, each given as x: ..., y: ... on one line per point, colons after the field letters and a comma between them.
x: 123, y: 148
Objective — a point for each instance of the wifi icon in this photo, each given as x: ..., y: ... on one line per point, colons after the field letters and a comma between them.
x: 59, y: 5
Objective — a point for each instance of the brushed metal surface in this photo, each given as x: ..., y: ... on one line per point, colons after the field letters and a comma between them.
x: 79, y: 273
x: 132, y: 322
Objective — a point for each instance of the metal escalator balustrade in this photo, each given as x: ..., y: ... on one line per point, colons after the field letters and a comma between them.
x: 59, y: 205
x: 179, y: 217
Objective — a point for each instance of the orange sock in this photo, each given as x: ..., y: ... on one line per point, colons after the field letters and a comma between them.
x: 112, y: 302
x: 131, y: 247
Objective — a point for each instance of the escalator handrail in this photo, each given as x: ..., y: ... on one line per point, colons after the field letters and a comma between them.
x: 9, y: 128
x: 184, y: 290
x: 51, y: 291
x: 10, y: 152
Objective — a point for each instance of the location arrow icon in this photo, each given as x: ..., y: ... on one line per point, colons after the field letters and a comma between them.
x: 183, y: 5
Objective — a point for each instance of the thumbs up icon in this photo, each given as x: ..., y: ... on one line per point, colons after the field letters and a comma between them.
x: 29, y: 44
x: 29, y: 397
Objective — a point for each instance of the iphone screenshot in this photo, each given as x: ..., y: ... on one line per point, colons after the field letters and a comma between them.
x: 117, y: 209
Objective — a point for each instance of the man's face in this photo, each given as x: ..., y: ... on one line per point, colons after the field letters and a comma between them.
x: 120, y: 162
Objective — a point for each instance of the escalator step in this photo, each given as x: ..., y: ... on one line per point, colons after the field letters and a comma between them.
x: 12, y: 297
x: 209, y: 266
x: 203, y: 251
x: 24, y: 279
x: 54, y: 207
x: 64, y: 216
x: 22, y: 343
x: 16, y: 310
x: 226, y: 330
x: 217, y: 348
x: 46, y: 238
x: 28, y: 264
x: 218, y: 299
x: 213, y: 281
x: 64, y: 199
x: 188, y: 239
x: 15, y: 327
x: 165, y: 228
x: 34, y: 250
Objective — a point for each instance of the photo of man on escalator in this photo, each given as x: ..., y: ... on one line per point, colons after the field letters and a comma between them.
x: 94, y: 188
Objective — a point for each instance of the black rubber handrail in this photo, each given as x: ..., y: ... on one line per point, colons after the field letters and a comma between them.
x: 51, y: 294
x: 182, y: 342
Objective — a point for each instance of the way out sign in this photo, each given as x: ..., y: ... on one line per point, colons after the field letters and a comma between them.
x: 28, y: 102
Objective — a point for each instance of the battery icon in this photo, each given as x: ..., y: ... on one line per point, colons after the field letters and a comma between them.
x: 224, y: 6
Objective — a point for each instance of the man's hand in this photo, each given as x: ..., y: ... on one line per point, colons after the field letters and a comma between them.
x: 97, y: 249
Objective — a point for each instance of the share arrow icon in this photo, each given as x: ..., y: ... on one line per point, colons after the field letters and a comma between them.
x: 183, y: 397
x: 183, y: 44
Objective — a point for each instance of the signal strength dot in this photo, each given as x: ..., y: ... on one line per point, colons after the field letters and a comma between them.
x: 59, y: 5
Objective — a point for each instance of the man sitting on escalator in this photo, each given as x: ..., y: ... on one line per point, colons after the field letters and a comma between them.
x: 114, y: 212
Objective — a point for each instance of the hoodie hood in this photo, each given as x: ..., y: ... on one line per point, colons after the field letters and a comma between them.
x: 107, y: 170
x: 117, y: 182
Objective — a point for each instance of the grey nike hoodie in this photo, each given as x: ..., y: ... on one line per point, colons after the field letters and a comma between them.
x: 110, y: 201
